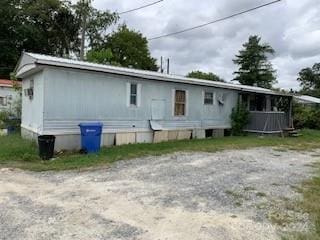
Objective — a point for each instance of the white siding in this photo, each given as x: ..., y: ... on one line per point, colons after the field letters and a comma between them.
x: 32, y: 110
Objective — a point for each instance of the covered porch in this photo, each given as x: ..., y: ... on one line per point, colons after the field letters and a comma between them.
x: 269, y: 114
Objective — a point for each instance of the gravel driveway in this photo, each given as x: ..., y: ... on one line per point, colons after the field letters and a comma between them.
x: 239, y: 194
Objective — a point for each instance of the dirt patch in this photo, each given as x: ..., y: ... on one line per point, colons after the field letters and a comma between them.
x: 240, y: 194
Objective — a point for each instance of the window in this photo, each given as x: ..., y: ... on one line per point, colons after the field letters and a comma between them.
x: 208, y: 98
x: 133, y: 94
x: 257, y: 103
x: 3, y: 101
x: 180, y: 103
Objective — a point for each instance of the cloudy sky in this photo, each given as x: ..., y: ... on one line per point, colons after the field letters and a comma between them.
x: 291, y: 27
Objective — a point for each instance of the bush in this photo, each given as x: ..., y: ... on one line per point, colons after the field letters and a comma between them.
x: 239, y: 119
x: 4, y: 117
x: 8, y: 120
x: 306, y: 117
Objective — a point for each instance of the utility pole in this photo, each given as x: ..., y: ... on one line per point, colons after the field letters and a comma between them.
x: 168, y: 66
x: 84, y: 15
x: 161, y: 65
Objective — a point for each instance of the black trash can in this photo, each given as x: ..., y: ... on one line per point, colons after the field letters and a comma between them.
x: 46, y: 146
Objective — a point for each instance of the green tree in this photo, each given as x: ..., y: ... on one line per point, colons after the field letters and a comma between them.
x: 103, y: 56
x: 309, y: 79
x: 254, y: 67
x: 93, y: 24
x: 129, y: 49
x: 206, y: 76
x: 42, y: 26
x: 8, y: 37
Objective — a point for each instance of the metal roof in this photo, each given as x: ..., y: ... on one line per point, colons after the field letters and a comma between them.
x: 34, y: 60
x: 307, y: 99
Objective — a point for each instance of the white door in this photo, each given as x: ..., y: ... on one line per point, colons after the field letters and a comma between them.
x: 158, y: 107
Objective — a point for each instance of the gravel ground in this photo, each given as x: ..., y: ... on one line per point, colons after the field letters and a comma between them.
x: 239, y: 194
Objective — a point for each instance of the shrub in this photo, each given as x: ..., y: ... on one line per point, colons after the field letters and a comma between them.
x: 4, y: 117
x: 8, y: 120
x: 306, y: 117
x: 239, y: 119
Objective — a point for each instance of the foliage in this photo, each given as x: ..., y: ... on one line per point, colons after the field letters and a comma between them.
x: 48, y: 27
x: 14, y: 151
x: 7, y: 119
x: 42, y: 26
x: 239, y: 119
x: 306, y: 116
x: 4, y: 118
x: 129, y: 49
x: 309, y: 79
x: 17, y: 105
x: 103, y: 56
x: 205, y: 76
x: 254, y: 67
x: 94, y: 21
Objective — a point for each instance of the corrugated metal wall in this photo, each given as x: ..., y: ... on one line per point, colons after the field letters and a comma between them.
x: 32, y: 109
x: 74, y: 96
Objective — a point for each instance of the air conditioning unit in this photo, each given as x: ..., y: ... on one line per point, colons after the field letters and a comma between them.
x: 221, y: 98
x: 28, y: 92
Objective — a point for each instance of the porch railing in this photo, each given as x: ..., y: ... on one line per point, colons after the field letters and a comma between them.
x: 267, y: 122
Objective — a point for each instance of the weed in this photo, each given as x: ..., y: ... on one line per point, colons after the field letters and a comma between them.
x: 261, y: 194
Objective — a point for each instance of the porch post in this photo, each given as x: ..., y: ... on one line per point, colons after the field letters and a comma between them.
x: 268, y: 103
x: 290, y: 112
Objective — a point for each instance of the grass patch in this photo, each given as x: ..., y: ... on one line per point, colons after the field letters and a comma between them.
x: 18, y: 153
x: 310, y: 204
x: 249, y: 188
x: 276, y: 184
x: 279, y: 218
x: 280, y: 149
x: 234, y: 194
x: 261, y: 194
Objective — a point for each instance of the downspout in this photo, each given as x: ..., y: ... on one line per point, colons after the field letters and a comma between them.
x: 290, y: 112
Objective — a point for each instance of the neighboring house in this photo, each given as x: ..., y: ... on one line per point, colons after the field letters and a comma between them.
x: 8, y: 95
x: 135, y: 106
x: 307, y: 100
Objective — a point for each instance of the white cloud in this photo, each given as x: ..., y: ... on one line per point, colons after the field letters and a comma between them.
x: 291, y: 27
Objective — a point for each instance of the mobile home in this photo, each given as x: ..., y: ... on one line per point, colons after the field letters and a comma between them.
x: 135, y: 106
x: 8, y: 95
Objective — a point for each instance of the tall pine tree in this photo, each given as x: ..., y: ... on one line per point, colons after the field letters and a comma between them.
x: 254, y: 67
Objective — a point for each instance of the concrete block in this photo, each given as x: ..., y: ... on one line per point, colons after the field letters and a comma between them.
x: 27, y: 134
x: 144, y: 137
x: 160, y: 136
x: 184, y: 134
x: 125, y: 138
x: 67, y: 142
x: 199, y: 133
x: 3, y: 132
x: 173, y: 135
x: 218, y: 133
x: 108, y: 139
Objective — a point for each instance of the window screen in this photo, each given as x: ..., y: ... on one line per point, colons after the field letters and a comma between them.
x: 3, y: 101
x: 133, y: 94
x: 208, y: 98
x: 180, y: 103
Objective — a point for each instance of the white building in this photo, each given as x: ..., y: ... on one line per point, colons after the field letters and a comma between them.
x: 8, y: 95
x: 135, y: 106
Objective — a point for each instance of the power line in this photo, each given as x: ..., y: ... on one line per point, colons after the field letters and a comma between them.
x: 138, y: 8
x: 215, y: 21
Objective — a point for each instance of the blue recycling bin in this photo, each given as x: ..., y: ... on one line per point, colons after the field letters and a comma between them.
x: 91, y: 136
